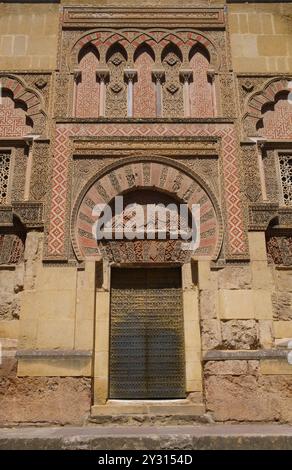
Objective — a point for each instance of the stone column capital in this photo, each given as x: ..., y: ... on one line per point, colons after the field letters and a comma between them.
x: 102, y: 74
x: 130, y: 74
x: 77, y: 74
x: 211, y: 74
x: 158, y: 75
x: 186, y: 75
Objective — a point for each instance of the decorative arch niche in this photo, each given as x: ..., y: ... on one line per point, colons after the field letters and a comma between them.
x: 21, y: 110
x: 87, y: 92
x: 201, y: 85
x: 166, y: 180
x: 144, y: 89
x: 14, y: 121
x: 116, y: 92
x: 157, y: 39
x: 269, y: 111
x: 172, y: 59
x: 276, y: 120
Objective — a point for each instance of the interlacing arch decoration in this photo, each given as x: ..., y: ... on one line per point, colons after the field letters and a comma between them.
x: 268, y: 112
x: 160, y: 67
x: 28, y: 99
x: 157, y: 39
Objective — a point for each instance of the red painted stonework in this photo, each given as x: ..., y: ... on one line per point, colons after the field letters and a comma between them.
x: 12, y: 119
x: 200, y: 88
x: 87, y: 99
x: 162, y: 177
x: 236, y: 240
x: 144, y: 88
x: 277, y: 122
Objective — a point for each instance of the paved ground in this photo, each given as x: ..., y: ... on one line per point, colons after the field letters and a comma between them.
x: 245, y: 436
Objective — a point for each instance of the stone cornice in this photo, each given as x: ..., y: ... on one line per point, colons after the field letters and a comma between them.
x: 61, y: 120
x: 202, y: 17
x: 219, y: 355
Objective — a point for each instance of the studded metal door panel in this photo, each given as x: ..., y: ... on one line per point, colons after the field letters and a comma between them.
x: 147, y: 341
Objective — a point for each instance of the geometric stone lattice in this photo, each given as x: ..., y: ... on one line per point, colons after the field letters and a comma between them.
x: 4, y: 176
x: 11, y: 248
x: 144, y: 90
x: 286, y: 177
x: 279, y: 247
x: 12, y: 119
x: 277, y: 121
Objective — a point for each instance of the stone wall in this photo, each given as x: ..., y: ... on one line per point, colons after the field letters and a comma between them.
x: 261, y: 37
x: 14, y: 280
x: 239, y: 391
x: 44, y: 400
x: 28, y: 36
x: 56, y: 316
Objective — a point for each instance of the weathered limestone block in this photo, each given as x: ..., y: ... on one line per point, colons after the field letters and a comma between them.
x: 208, y: 304
x: 282, y: 306
x: 245, y: 304
x: 211, y: 334
x: 261, y: 275
x: 235, y: 277
x: 9, y: 302
x: 207, y: 278
x: 283, y: 329
x: 32, y: 256
x: 266, y: 334
x: 231, y: 367
x: 276, y: 367
x: 257, y: 246
x: 236, y: 304
x: 239, y: 334
x: 19, y: 277
x: 249, y: 397
x: 8, y: 363
x: 44, y: 400
x: 253, y: 367
x: 284, y: 280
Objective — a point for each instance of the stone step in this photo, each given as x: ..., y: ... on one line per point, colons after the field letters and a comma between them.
x: 196, y: 437
x: 147, y: 412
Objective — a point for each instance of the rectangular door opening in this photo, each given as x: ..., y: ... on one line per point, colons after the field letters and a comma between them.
x: 147, y: 357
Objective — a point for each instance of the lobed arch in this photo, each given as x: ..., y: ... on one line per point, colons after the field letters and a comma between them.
x: 156, y: 173
x: 27, y: 98
x: 144, y: 47
x: 199, y: 48
x: 117, y: 46
x: 262, y: 100
x: 155, y: 38
x: 171, y: 47
x: 18, y: 104
x: 89, y: 47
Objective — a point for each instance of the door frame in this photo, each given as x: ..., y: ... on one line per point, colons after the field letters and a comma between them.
x: 192, y: 337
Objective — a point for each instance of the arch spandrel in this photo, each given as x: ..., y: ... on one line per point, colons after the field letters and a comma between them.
x: 163, y: 177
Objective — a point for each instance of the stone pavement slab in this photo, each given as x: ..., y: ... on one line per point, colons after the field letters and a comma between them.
x: 196, y: 437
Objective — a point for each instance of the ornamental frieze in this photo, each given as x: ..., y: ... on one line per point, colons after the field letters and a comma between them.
x: 146, y: 17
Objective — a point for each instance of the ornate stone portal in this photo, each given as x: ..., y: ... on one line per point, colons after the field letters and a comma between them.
x: 159, y: 177
x: 144, y: 104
